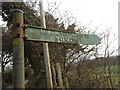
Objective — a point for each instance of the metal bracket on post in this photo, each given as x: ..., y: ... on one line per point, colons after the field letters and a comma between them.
x: 18, y: 34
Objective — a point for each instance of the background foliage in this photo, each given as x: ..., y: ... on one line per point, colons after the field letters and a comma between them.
x: 74, y: 59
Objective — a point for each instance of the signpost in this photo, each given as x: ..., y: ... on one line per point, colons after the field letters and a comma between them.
x: 40, y: 34
x: 47, y: 35
x: 18, y: 50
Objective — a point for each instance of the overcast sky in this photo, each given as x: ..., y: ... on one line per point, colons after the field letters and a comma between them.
x: 102, y: 14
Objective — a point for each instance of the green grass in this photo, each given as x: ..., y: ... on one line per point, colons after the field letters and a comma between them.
x: 113, y: 69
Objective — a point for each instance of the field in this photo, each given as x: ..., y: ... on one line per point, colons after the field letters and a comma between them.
x: 112, y: 69
x: 99, y: 77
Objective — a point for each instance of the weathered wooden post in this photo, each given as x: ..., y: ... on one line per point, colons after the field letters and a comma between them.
x: 66, y: 82
x: 46, y: 50
x: 18, y: 50
x: 54, y: 77
x: 59, y: 74
x: 65, y: 78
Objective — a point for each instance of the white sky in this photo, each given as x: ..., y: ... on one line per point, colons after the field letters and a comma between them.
x: 102, y: 13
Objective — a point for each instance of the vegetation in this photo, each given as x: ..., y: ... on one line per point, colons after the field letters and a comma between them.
x: 91, y: 75
x: 76, y: 65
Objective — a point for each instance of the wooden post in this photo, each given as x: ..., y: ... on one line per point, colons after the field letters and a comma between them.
x: 54, y: 77
x: 59, y: 74
x: 66, y: 82
x: 46, y: 50
x: 18, y: 50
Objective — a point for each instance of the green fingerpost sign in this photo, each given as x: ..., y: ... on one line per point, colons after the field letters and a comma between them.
x: 47, y: 35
